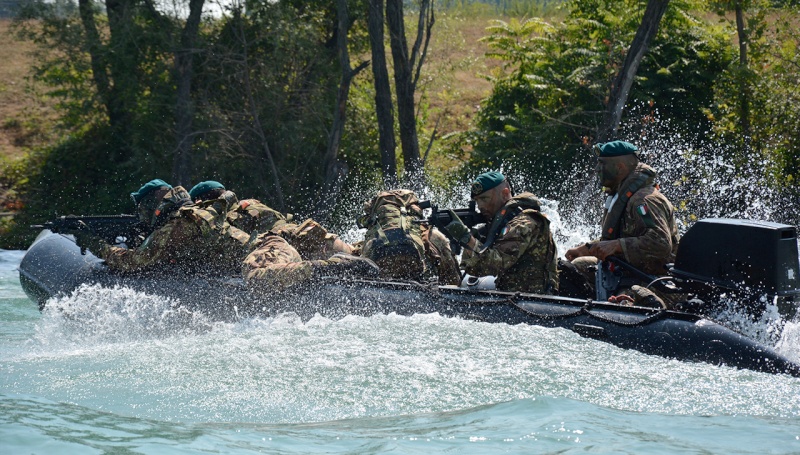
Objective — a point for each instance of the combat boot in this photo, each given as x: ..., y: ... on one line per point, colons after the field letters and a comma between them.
x: 645, y: 297
x: 343, y: 265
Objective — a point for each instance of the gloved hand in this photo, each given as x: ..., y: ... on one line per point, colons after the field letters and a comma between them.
x: 86, y: 240
x: 458, y: 230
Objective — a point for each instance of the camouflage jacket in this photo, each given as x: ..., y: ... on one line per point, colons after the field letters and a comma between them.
x: 250, y: 215
x: 188, y: 239
x: 647, y: 229
x: 523, y: 254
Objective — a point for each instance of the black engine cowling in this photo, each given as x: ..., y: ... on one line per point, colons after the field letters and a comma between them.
x: 741, y: 258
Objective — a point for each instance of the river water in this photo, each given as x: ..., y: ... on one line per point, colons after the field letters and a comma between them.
x: 149, y: 381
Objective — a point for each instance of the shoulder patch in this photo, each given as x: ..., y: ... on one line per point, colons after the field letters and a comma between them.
x: 644, y: 212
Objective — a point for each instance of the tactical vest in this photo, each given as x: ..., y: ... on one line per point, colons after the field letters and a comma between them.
x: 642, y: 177
x: 512, y: 208
x: 169, y: 205
x: 227, y: 242
x: 394, y: 237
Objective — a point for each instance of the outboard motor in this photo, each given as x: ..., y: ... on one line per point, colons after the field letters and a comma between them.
x: 743, y: 259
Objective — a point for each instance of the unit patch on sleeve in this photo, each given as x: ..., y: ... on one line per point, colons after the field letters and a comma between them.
x: 644, y: 212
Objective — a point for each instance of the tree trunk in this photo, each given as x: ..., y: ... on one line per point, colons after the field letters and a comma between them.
x: 184, y: 107
x: 95, y: 49
x: 744, y: 88
x: 404, y: 88
x: 335, y: 170
x: 253, y: 108
x: 383, y: 94
x: 122, y: 67
x: 624, y: 80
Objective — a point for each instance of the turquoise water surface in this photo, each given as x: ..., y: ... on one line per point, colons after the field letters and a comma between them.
x: 123, y: 372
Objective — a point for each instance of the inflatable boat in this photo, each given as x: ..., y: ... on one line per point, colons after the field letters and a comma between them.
x: 764, y: 261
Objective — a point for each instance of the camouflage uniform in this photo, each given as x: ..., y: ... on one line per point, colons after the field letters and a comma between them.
x: 312, y: 240
x: 287, y: 254
x: 276, y: 266
x: 523, y: 256
x: 648, y: 235
x: 400, y: 244
x: 186, y: 238
x: 249, y: 215
x: 440, y: 256
x: 646, y: 228
x: 252, y: 216
x: 648, y: 232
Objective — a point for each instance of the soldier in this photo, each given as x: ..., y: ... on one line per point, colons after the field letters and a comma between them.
x: 249, y: 215
x: 184, y: 237
x: 638, y: 222
x: 285, y: 254
x: 194, y: 240
x: 275, y: 266
x: 402, y: 246
x: 254, y: 217
x: 518, y: 247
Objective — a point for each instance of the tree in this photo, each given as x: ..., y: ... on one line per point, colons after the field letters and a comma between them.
x: 552, y: 99
x: 622, y: 82
x: 407, y: 69
x: 743, y: 74
x: 184, y: 107
x: 383, y: 94
x: 336, y: 170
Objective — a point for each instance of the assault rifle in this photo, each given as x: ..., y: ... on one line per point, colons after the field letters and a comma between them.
x: 108, y: 227
x: 441, y: 218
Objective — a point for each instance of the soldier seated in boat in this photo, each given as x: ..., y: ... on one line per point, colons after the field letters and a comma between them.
x: 254, y: 217
x: 638, y: 223
x: 284, y: 254
x: 184, y: 236
x: 516, y: 246
x: 403, y: 247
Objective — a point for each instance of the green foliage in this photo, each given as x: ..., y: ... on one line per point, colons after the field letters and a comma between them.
x: 771, y: 80
x: 57, y: 181
x: 510, y: 8
x: 264, y: 83
x: 550, y: 100
x: 272, y: 77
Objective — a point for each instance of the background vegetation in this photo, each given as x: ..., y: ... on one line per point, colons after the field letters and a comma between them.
x: 520, y: 85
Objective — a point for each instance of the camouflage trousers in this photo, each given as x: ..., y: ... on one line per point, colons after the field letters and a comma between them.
x: 275, y: 265
x: 587, y: 266
x: 312, y: 241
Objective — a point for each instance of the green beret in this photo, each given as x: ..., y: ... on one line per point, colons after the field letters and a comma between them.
x: 486, y: 182
x: 147, y: 188
x: 203, y: 188
x: 615, y: 148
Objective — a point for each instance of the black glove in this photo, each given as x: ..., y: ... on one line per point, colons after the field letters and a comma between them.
x: 86, y: 240
x: 458, y: 230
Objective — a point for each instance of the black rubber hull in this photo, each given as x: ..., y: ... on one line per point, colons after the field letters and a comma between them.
x: 53, y: 266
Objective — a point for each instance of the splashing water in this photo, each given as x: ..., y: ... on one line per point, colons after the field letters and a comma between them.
x: 96, y: 315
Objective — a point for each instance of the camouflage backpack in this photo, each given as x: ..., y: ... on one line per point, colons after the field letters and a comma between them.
x: 227, y: 244
x: 253, y: 216
x: 393, y: 239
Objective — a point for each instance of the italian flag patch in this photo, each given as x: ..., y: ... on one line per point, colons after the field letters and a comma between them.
x: 642, y: 210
